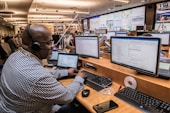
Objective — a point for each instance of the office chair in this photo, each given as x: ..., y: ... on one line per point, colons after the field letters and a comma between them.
x: 5, y: 46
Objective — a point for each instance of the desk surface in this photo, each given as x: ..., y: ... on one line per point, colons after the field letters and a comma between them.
x: 156, y: 87
x: 97, y: 97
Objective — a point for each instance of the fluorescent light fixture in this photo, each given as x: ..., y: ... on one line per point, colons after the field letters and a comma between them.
x: 15, y: 18
x: 59, y: 11
x: 49, y: 16
x: 5, y: 11
x: 144, y: 0
x: 52, y: 19
x: 68, y: 3
x: 17, y: 22
x: 124, y: 1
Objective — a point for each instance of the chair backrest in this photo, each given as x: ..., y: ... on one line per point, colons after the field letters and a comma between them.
x: 6, y: 48
x: 12, y: 45
x: 3, y: 54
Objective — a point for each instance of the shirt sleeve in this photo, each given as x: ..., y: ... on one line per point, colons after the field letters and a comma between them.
x: 58, y: 73
x: 49, y: 90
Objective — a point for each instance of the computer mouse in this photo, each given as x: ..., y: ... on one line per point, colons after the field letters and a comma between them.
x: 85, y: 93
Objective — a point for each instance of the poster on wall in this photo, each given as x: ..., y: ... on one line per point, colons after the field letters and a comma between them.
x: 162, y: 18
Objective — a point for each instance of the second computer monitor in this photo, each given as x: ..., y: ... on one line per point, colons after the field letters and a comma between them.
x: 121, y: 33
x: 139, y: 53
x: 165, y: 37
x: 87, y: 46
x: 66, y: 60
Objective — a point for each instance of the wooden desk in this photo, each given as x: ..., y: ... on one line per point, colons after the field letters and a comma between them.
x: 156, y: 87
x: 96, y: 98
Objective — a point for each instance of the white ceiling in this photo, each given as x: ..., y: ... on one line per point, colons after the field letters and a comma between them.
x: 58, y: 11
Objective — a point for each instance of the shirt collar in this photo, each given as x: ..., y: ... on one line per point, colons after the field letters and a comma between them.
x: 27, y: 53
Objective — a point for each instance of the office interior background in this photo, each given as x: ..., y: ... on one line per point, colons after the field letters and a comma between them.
x: 80, y: 15
x: 68, y: 18
x: 101, y: 18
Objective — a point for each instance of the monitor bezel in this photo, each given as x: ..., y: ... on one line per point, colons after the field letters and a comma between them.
x: 84, y: 55
x: 71, y: 54
x: 139, y: 70
x: 161, y: 38
x: 121, y: 32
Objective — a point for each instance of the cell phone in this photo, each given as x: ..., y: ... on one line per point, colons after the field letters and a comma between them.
x: 105, y: 106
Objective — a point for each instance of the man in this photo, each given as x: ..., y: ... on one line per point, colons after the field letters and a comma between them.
x: 28, y: 87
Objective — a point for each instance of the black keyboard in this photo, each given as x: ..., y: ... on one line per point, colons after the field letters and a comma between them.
x: 97, y: 82
x: 143, y: 101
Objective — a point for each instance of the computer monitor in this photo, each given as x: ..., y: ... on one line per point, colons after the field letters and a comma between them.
x: 121, y: 33
x: 139, y: 53
x: 66, y: 60
x: 54, y: 55
x: 52, y: 60
x: 140, y: 28
x: 87, y: 46
x: 100, y: 31
x: 165, y: 38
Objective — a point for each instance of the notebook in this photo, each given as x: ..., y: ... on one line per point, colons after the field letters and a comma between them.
x: 67, y: 60
x: 53, y: 59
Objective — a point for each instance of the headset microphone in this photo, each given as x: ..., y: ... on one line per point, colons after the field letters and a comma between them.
x: 46, y: 48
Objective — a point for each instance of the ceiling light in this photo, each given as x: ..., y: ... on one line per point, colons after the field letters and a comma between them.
x: 124, y: 1
x: 5, y: 11
x: 53, y: 19
x: 144, y: 1
x: 73, y: 3
x: 58, y: 11
x: 109, y: 9
x: 46, y: 16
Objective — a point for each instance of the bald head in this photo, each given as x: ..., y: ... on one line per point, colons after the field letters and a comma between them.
x: 37, y: 39
x: 34, y: 33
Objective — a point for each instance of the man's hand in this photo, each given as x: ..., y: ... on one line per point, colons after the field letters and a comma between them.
x: 72, y: 72
x: 81, y: 74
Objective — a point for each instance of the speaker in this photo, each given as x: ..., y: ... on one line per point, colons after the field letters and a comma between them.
x: 35, y: 45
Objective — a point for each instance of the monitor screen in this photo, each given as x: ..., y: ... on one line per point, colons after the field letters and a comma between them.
x: 121, y: 33
x: 163, y: 36
x: 139, y: 28
x: 139, y: 53
x: 87, y: 46
x: 54, y: 55
x: 66, y: 60
x: 100, y: 31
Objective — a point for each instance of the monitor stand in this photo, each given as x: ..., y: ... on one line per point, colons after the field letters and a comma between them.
x: 83, y: 56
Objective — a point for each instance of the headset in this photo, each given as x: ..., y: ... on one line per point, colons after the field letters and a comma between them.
x: 35, y: 45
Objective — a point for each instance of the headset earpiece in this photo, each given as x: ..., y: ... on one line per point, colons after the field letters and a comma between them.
x: 35, y: 45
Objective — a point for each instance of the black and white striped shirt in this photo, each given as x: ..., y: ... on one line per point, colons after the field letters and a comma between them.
x: 28, y: 87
